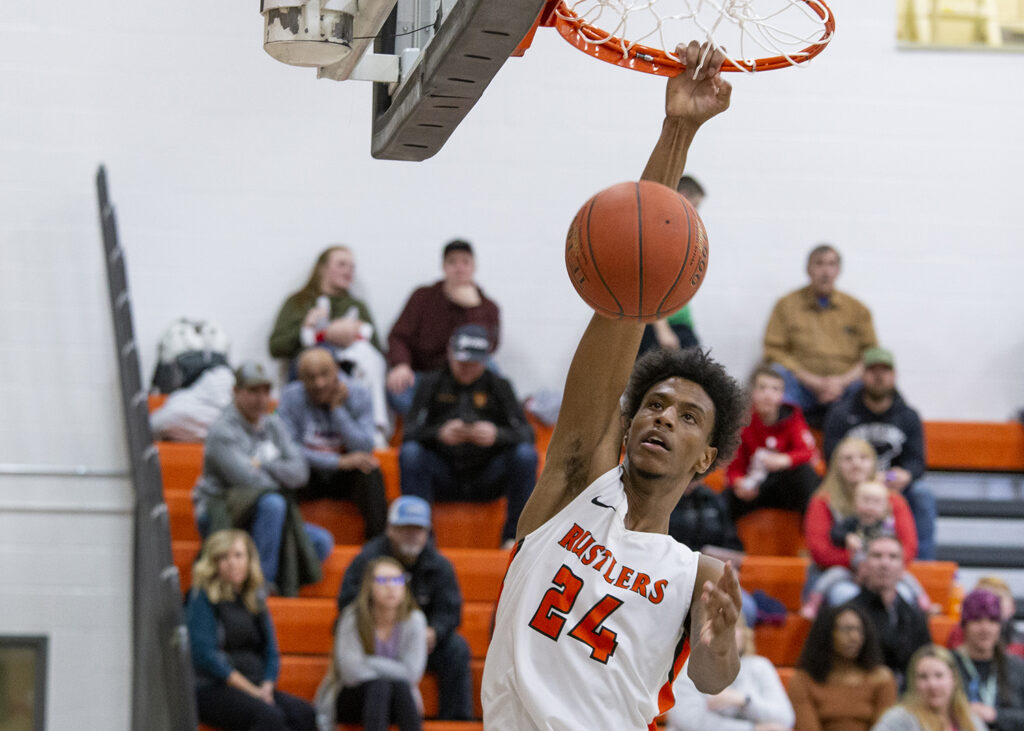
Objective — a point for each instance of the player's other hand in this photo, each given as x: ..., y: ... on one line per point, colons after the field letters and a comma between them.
x: 722, y: 604
x: 699, y: 92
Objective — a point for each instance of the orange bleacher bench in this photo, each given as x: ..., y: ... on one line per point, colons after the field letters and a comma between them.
x: 456, y: 524
x: 983, y: 446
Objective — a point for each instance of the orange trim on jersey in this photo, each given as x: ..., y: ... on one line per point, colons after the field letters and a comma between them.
x: 666, y: 697
x: 511, y: 558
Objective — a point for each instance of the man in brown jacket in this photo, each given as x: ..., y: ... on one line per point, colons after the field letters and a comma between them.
x: 816, y: 337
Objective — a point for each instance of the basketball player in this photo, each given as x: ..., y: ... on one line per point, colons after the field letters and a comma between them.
x: 598, y: 599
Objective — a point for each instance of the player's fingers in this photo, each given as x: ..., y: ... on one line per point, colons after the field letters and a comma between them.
x: 731, y: 583
x: 691, y: 56
x: 724, y: 91
x: 714, y: 61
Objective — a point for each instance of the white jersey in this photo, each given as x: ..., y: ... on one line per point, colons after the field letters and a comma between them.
x: 589, y: 627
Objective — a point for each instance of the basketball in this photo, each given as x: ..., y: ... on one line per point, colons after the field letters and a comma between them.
x: 637, y: 251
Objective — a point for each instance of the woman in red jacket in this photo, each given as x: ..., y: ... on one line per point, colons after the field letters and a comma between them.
x: 853, y: 461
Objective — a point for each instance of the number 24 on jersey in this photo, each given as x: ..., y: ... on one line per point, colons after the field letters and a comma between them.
x: 558, y: 601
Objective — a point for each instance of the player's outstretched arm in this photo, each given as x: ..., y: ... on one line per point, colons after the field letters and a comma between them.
x: 714, y: 610
x: 588, y: 436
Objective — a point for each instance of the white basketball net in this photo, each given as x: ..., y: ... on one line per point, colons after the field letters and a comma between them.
x: 742, y: 29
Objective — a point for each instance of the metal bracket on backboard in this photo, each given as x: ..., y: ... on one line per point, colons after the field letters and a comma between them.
x: 471, y: 45
x: 365, y: 27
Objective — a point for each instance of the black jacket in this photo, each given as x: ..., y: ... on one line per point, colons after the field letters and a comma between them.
x: 432, y: 580
x: 701, y: 518
x: 440, y: 398
x: 899, y: 639
x: 896, y: 434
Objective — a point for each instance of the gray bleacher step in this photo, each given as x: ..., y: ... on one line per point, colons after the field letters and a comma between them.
x: 1006, y: 487
x: 999, y: 557
x: 979, y: 531
x: 981, y: 508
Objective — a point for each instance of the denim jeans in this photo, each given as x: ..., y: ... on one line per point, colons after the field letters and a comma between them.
x: 267, y: 526
x: 922, y: 504
x: 512, y: 472
x: 797, y: 393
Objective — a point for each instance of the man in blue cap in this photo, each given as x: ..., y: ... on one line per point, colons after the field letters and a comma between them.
x: 466, y: 436
x: 436, y: 589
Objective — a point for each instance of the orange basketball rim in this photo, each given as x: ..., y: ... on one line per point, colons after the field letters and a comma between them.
x: 779, y: 33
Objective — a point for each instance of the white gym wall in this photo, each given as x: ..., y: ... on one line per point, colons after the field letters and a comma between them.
x: 230, y: 172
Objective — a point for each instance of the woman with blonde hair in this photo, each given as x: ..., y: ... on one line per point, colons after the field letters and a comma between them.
x: 755, y: 701
x: 853, y: 462
x: 323, y: 313
x: 234, y: 648
x: 934, y: 700
x: 380, y: 652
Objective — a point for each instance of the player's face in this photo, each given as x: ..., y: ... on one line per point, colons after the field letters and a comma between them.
x: 459, y: 268
x: 879, y: 381
x: 823, y: 269
x: 388, y: 586
x: 933, y: 681
x: 669, y: 434
x: 233, y: 566
x: 339, y: 270
x: 766, y: 395
x: 848, y: 635
x: 252, y: 402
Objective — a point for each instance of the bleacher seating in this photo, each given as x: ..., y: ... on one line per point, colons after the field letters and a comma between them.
x: 468, y: 535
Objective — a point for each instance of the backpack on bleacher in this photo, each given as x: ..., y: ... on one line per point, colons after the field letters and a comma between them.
x: 185, y: 351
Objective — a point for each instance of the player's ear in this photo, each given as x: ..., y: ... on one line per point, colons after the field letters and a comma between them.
x: 625, y: 421
x: 706, y: 459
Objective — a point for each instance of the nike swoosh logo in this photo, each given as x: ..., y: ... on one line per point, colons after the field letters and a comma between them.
x: 599, y: 504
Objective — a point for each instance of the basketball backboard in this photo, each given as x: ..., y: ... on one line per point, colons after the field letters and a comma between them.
x: 430, y: 59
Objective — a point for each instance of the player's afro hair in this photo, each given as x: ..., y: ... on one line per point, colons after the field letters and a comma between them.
x: 693, y: 364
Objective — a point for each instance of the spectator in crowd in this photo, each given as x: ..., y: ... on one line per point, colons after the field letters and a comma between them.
x: 419, y: 338
x: 330, y: 416
x: 380, y: 650
x: 1012, y: 639
x: 701, y: 522
x: 992, y: 678
x: 466, y: 437
x: 934, y: 700
x: 675, y: 331
x: 325, y: 314
x: 872, y: 518
x: 755, y: 701
x: 251, y: 469
x: 816, y: 336
x: 773, y: 465
x: 701, y: 518
x: 853, y: 461
x: 234, y: 648
x: 840, y: 680
x: 876, y: 412
x: 436, y: 591
x: 902, y: 627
